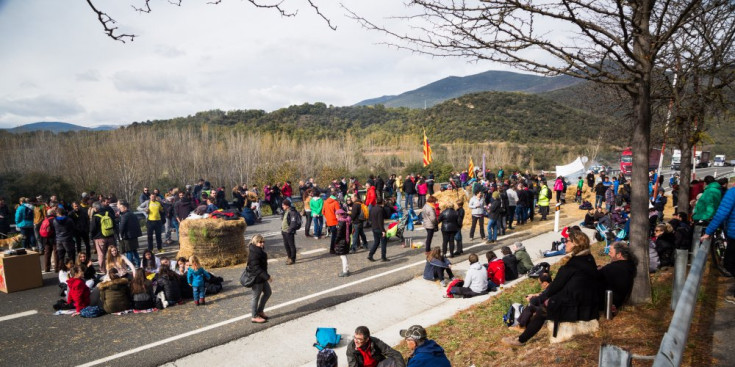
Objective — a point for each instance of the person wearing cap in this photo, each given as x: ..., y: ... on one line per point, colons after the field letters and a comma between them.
x: 424, y: 352
x: 289, y: 225
x: 367, y: 351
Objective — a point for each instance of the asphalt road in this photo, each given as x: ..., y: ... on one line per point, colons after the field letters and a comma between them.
x: 42, y: 339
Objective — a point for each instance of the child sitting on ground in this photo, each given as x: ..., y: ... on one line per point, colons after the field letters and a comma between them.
x: 436, y: 265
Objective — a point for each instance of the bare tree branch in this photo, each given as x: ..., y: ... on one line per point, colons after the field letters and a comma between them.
x: 112, y: 31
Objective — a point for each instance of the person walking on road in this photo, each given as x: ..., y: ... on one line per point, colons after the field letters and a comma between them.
x: 377, y: 219
x: 430, y: 221
x: 289, y: 226
x: 367, y: 351
x: 258, y: 267
x: 725, y: 215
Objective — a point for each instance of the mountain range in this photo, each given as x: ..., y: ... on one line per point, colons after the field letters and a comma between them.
x: 57, y: 127
x: 453, y: 86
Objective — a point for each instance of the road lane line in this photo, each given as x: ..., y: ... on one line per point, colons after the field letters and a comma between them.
x: 17, y: 315
x: 313, y: 251
x: 276, y: 307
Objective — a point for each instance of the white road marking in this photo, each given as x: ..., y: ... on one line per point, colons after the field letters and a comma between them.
x: 282, y: 305
x: 313, y: 251
x: 17, y: 315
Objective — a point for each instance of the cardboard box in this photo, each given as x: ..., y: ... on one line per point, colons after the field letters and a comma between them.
x: 20, y: 272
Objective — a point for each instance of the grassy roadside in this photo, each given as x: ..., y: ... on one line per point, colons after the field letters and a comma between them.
x: 473, y: 336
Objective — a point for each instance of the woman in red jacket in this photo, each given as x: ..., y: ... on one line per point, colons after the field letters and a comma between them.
x: 78, y: 292
x: 495, y: 271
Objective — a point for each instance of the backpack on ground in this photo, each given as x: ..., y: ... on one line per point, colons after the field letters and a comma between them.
x: 213, y: 285
x: 586, y: 205
x: 454, y: 283
x: 326, y: 337
x: 511, y: 317
x: 107, y: 226
x: 326, y: 358
x: 539, y: 269
x: 47, y: 228
x: 91, y: 311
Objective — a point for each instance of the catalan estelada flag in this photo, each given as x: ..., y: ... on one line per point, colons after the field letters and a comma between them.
x: 427, y: 151
x: 471, y: 170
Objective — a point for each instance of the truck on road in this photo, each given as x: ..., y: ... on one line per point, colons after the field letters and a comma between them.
x: 719, y: 160
x: 626, y: 160
x: 676, y: 160
x: 701, y: 159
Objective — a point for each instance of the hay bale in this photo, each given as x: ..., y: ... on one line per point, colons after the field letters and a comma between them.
x: 216, y: 242
x: 450, y: 196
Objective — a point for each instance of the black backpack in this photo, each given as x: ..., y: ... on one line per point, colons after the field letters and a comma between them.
x: 539, y: 269
x: 297, y: 219
x: 28, y: 214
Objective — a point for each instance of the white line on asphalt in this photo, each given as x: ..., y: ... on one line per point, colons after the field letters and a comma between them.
x: 243, y: 317
x: 313, y: 251
x: 17, y: 315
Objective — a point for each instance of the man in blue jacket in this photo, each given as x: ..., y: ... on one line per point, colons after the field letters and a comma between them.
x: 424, y: 352
x: 725, y: 215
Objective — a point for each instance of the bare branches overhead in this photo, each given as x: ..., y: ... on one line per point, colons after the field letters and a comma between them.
x: 108, y: 23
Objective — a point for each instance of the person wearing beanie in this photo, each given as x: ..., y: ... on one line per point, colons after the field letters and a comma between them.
x: 290, y: 223
x: 524, y: 259
x: 424, y: 351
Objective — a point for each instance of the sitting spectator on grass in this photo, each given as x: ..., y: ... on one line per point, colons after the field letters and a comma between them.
x: 619, y: 274
x: 495, y: 271
x: 475, y: 282
x: 573, y: 296
x: 533, y: 304
x: 436, y: 265
x: 511, y: 264
x: 524, y: 260
x: 424, y: 351
x: 367, y: 351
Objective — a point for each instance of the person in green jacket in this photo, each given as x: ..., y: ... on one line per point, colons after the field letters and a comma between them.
x: 709, y: 201
x: 580, y: 189
x: 524, y: 260
x: 316, y: 203
x: 543, y: 200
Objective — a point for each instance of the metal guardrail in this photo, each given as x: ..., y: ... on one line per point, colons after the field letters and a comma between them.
x: 674, y: 341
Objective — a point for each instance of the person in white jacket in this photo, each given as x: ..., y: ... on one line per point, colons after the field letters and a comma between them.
x: 475, y: 282
x: 476, y: 204
x: 512, y: 202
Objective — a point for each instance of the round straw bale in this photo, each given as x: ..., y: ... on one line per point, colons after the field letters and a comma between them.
x: 216, y: 242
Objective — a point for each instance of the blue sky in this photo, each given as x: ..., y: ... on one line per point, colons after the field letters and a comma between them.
x: 59, y: 66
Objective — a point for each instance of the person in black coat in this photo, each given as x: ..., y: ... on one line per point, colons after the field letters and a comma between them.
x: 665, y: 244
x: 168, y: 282
x: 80, y: 217
x: 377, y: 220
x: 258, y: 267
x: 460, y: 221
x: 619, y: 274
x: 574, y: 295
x: 511, y: 264
x: 129, y: 232
x: 448, y: 219
x: 64, y: 229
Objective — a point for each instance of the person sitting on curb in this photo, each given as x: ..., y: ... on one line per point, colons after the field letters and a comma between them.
x: 475, y: 282
x: 619, y: 274
x: 424, y: 352
x: 495, y: 271
x: 511, y: 263
x: 367, y: 351
x: 436, y: 265
x: 573, y: 296
x: 524, y: 260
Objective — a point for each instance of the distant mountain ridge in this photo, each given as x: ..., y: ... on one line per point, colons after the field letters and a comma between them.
x: 57, y: 127
x: 453, y: 87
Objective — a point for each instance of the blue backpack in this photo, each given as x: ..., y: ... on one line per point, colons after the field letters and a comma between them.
x: 511, y: 317
x: 326, y: 338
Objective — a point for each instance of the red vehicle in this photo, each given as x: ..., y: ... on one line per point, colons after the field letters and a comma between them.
x: 626, y: 160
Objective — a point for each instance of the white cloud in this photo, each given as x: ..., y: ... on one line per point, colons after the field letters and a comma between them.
x: 197, y: 57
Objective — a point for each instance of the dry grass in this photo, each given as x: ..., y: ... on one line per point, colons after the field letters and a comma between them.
x: 473, y: 336
x: 216, y: 242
